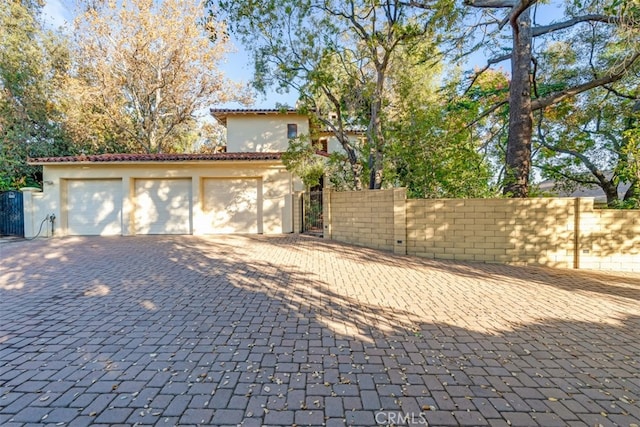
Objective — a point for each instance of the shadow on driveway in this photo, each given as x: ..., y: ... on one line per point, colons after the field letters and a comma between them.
x: 295, y: 330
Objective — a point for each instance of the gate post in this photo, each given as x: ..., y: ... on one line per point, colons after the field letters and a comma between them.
x: 326, y: 213
x: 27, y: 200
x: 399, y: 221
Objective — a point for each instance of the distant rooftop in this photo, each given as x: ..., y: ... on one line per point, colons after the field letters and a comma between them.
x: 549, y: 187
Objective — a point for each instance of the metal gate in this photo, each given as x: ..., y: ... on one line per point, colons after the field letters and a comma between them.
x: 11, y: 214
x: 312, y: 212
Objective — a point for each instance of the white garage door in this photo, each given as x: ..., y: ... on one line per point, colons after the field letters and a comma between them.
x: 163, y: 206
x: 94, y: 207
x: 231, y: 205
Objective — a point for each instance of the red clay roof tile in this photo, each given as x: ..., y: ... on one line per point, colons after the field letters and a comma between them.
x: 118, y: 158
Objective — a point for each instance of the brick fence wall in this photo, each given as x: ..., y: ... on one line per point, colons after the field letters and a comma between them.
x: 374, y: 219
x: 556, y: 232
x: 609, y: 239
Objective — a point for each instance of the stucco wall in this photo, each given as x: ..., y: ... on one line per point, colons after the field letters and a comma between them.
x: 37, y: 209
x: 555, y: 232
x: 262, y: 133
x: 275, y: 183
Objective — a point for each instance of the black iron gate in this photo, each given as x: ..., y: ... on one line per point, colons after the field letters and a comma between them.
x: 11, y: 214
x: 312, y: 212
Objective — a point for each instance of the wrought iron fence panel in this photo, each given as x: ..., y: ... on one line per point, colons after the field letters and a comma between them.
x: 312, y: 212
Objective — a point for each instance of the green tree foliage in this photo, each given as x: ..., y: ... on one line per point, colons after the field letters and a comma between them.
x: 434, y: 159
x: 33, y: 62
x: 583, y: 140
x: 301, y: 158
x: 432, y: 150
x: 338, y: 54
x: 591, y: 141
x: 602, y: 48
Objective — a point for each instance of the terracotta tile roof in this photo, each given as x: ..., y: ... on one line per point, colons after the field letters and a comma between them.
x: 252, y: 110
x: 128, y: 158
x: 221, y: 114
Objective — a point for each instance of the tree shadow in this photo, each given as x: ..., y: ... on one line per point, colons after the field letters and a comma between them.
x: 615, y: 284
x: 296, y: 324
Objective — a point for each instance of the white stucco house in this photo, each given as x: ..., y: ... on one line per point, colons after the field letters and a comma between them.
x: 243, y: 190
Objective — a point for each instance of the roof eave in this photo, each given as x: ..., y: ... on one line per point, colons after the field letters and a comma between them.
x: 155, y: 162
x: 221, y: 114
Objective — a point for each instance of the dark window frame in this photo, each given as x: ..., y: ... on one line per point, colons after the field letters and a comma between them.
x: 292, y: 130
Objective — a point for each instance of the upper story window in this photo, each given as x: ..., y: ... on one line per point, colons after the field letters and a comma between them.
x: 321, y: 144
x: 292, y: 131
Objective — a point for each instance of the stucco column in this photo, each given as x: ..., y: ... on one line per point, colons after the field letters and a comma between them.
x: 28, y: 212
x: 128, y: 208
x: 198, y: 220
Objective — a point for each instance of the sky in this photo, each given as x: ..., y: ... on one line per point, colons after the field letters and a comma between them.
x: 238, y: 67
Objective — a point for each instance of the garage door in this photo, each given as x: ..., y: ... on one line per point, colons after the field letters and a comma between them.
x: 163, y: 206
x: 94, y: 207
x: 231, y: 205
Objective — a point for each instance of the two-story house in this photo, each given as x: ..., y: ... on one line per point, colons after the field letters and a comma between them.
x: 243, y: 190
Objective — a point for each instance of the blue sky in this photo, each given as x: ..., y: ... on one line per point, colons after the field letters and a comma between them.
x: 238, y: 66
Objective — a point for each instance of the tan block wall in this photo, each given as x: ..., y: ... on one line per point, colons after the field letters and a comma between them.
x: 609, y: 239
x: 529, y: 231
x: 363, y: 218
x: 555, y: 232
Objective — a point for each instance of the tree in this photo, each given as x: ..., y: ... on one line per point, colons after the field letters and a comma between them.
x: 146, y: 68
x: 590, y: 143
x: 337, y: 53
x: 302, y: 159
x: 432, y: 151
x: 605, y: 64
x: 33, y: 62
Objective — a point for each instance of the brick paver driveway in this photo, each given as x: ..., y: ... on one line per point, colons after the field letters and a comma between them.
x: 302, y: 331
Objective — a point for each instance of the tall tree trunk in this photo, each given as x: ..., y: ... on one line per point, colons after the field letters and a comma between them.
x: 611, y: 191
x: 518, y: 157
x: 343, y: 138
x: 375, y: 134
x: 356, y: 167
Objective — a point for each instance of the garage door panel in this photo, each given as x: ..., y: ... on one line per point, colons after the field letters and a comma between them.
x: 163, y: 206
x: 94, y: 207
x: 231, y: 205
